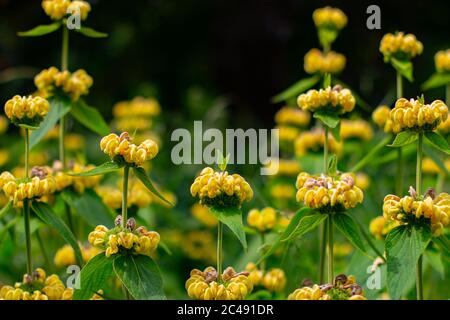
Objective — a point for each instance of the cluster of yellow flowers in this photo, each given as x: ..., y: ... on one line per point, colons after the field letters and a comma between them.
x: 208, y: 285
x: 323, y: 192
x: 73, y: 84
x: 120, y: 148
x: 138, y: 107
x: 262, y: 220
x: 314, y: 140
x: 287, y: 134
x: 316, y: 61
x: 400, y: 45
x: 65, y: 256
x: 286, y: 167
x: 136, y: 240
x: 79, y: 184
x: 442, y: 60
x: 432, y: 209
x: 414, y: 114
x: 202, y: 214
x: 73, y: 141
x: 26, y: 110
x: 344, y: 288
x: 292, y: 116
x: 282, y: 191
x: 336, y: 99
x: 444, y: 127
x: 38, y: 186
x: 430, y: 167
x: 359, y: 129
x: 379, y: 227
x: 273, y: 280
x: 221, y: 189
x: 329, y: 17
x: 58, y: 9
x: 199, y: 245
x: 381, y: 117
x: 37, y: 287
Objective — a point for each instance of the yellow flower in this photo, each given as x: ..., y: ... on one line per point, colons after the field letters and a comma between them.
x: 3, y: 124
x: 287, y: 168
x: 381, y: 117
x: 282, y: 191
x: 336, y: 100
x: 287, y: 133
x: 324, y: 192
x: 55, y: 9
x: 255, y: 275
x: 442, y: 61
x: 112, y: 197
x: 202, y: 214
x: 400, y: 45
x: 308, y: 293
x: 435, y: 210
x: 65, y: 256
x: 199, y: 245
x: 359, y: 129
x: 444, y: 127
x: 430, y: 167
x: 133, y: 123
x: 26, y: 110
x: 221, y: 189
x: 138, y: 107
x: 122, y: 147
x: 342, y: 250
x: 362, y: 181
x: 379, y: 227
x: 314, y: 140
x: 329, y: 17
x: 414, y: 114
x: 317, y: 61
x: 79, y: 7
x: 274, y: 280
x: 74, y: 142
x: 292, y: 116
x: 262, y: 220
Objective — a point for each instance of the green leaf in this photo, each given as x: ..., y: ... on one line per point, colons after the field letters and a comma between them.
x: 6, y: 209
x: 305, y: 225
x: 26, y: 126
x: 437, y: 141
x: 349, y: 229
x: 404, y: 245
x: 404, y: 67
x: 40, y: 30
x: 329, y: 119
x: 436, y: 157
x: 46, y: 214
x: 91, y: 33
x: 232, y: 217
x: 222, y: 161
x: 336, y: 132
x: 59, y: 107
x: 371, y: 154
x: 296, y: 89
x: 104, y: 168
x: 89, y: 117
x: 436, y: 80
x: 94, y: 276
x: 434, y: 259
x: 404, y: 138
x: 141, y: 276
x: 332, y: 165
x: 141, y: 175
x: 326, y: 80
x: 327, y: 36
x: 89, y: 206
x: 443, y: 243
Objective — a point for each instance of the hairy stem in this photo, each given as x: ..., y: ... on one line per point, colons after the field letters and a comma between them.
x: 330, y: 249
x: 219, y: 249
x: 126, y: 171
x: 399, y: 169
x: 323, y: 248
x: 26, y: 205
x: 419, y: 275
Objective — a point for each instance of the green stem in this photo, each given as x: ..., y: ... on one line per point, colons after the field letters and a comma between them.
x: 62, y: 138
x: 399, y: 178
x: 323, y: 251
x: 64, y: 66
x: 399, y: 85
x: 126, y: 171
x: 263, y: 242
x: 330, y: 249
x: 440, y: 182
x: 26, y: 205
x: 447, y: 94
x: 27, y: 153
x: 69, y: 218
x: 419, y: 280
x: 43, y: 251
x: 219, y: 249
x: 369, y: 241
x: 325, y: 150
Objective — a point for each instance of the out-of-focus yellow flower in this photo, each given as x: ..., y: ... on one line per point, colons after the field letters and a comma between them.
x: 79, y: 7
x: 73, y: 84
x: 381, y: 117
x: 287, y: 134
x: 26, y: 110
x: 282, y: 191
x: 199, y: 245
x: 329, y: 17
x: 74, y: 142
x: 138, y: 107
x: 79, y: 184
x: 274, y: 280
x: 324, y: 192
x: 202, y: 214
x: 442, y: 61
x: 255, y: 275
x: 65, y: 256
x: 207, y: 285
x: 342, y: 250
x: 400, y: 46
x: 362, y: 181
x: 414, y: 114
x: 359, y: 129
x: 284, y: 220
x: 170, y: 196
x: 292, y: 116
x: 379, y: 227
x: 313, y: 141
x: 221, y: 189
x: 132, y: 124
x: 3, y: 124
x: 334, y: 99
x: 433, y: 209
x: 430, y: 167
x: 262, y: 220
x: 4, y: 157
x: 444, y: 127
x: 112, y: 197
x: 55, y: 9
x: 123, y: 148
x: 316, y: 61
x: 285, y: 167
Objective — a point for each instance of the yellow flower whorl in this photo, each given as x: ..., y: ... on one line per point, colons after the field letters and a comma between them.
x: 359, y: 129
x: 202, y: 214
x: 336, y: 99
x: 314, y: 140
x: 292, y: 116
x: 65, y: 256
x: 55, y: 9
x: 138, y: 107
x: 262, y: 220
x: 316, y: 61
x: 199, y: 245
x: 79, y: 7
x: 442, y: 61
x: 26, y: 110
x: 329, y: 17
x: 379, y: 226
x: 400, y: 45
x: 274, y: 280
x: 381, y: 117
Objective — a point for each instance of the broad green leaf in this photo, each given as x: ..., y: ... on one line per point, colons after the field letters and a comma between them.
x: 305, y: 225
x: 46, y: 214
x: 349, y: 229
x: 336, y: 132
x: 404, y: 245
x: 443, y: 243
x: 296, y: 89
x: 89, y: 206
x: 6, y: 209
x: 436, y: 157
x: 94, y: 276
x: 91, y: 33
x: 89, y: 117
x: 141, y: 276
x: 141, y: 175
x: 332, y: 165
x: 371, y: 154
x: 436, y: 80
x: 404, y: 138
x: 232, y: 218
x: 329, y: 119
x: 41, y: 30
x: 59, y: 107
x: 104, y: 168
x: 437, y: 141
x: 405, y: 67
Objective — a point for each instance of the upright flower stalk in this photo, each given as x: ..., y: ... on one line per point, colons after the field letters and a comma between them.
x: 399, y: 169
x: 62, y: 122
x: 26, y: 205
x: 419, y: 276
